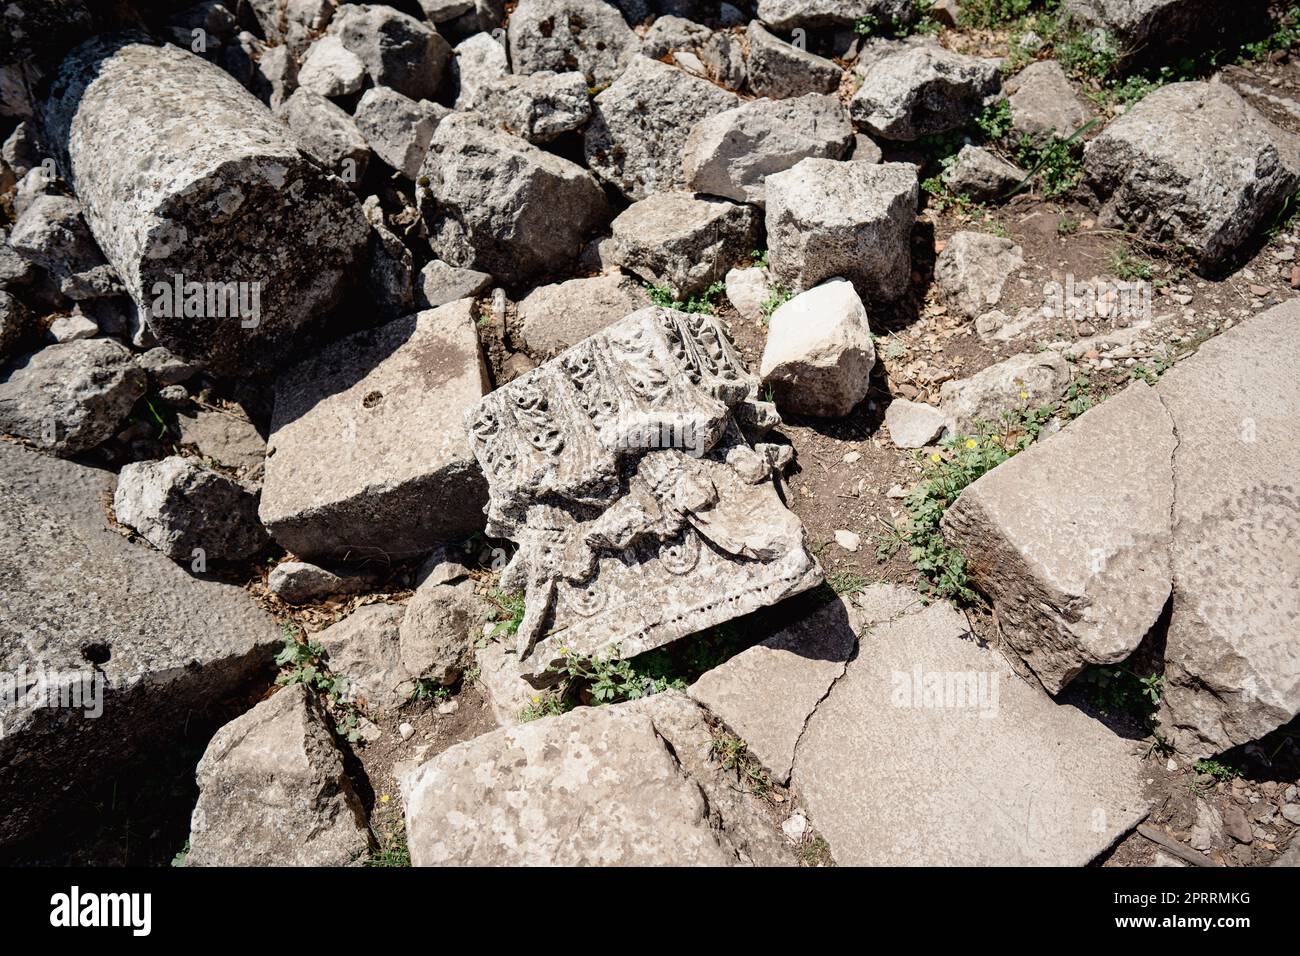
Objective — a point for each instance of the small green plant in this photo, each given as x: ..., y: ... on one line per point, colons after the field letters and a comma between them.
x: 995, y: 121
x: 734, y: 756
x: 1116, y: 689
x: 1088, y: 55
x: 866, y: 25
x: 760, y: 258
x: 547, y: 704
x: 815, y: 852
x: 1286, y: 36
x: 779, y: 297
x: 612, y: 678
x: 1078, y: 398
x: 391, y: 852
x: 1151, y: 375
x: 179, y: 858
x: 1217, y: 770
x: 1068, y: 226
x: 1058, y: 164
x: 705, y: 303
x: 430, y: 691
x: 1127, y: 266
x: 846, y: 583
x: 997, y: 229
x: 509, y: 613
x: 990, y: 14
x: 302, y: 660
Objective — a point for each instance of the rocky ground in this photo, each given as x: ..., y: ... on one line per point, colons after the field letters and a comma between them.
x: 570, y: 432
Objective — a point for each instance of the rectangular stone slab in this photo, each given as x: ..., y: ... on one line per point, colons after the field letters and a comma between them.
x: 930, y: 751
x: 641, y: 512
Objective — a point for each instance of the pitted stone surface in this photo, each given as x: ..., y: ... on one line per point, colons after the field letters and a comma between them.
x: 170, y: 178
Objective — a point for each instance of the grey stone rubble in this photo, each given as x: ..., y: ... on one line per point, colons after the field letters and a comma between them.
x: 605, y: 564
x: 973, y: 269
x: 559, y: 35
x: 184, y: 508
x: 398, y: 128
x: 777, y: 69
x: 1194, y: 164
x: 300, y: 582
x: 553, y: 318
x: 1024, y: 381
x: 682, y: 242
x: 731, y: 153
x: 819, y: 352
x: 272, y: 791
x: 913, y: 424
x: 921, y: 91
x: 349, y: 472
x: 1043, y: 104
x: 173, y: 652
x: 981, y: 175
x: 113, y: 107
x: 538, y: 107
x: 397, y: 50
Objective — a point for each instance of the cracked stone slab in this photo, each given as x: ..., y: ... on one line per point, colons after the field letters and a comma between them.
x: 175, y: 653
x: 766, y: 693
x: 595, y: 787
x: 930, y: 751
x: 1232, y: 670
x: 641, y: 512
x: 1070, y: 538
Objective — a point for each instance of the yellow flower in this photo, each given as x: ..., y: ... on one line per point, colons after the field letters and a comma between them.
x: 1024, y: 395
x: 384, y: 799
x: 537, y: 698
x: 995, y: 437
x: 936, y: 458
x: 971, y: 443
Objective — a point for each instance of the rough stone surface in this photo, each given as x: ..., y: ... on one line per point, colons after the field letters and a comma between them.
x: 480, y: 59
x: 1044, y: 105
x: 598, y: 786
x: 15, y: 325
x: 682, y: 242
x: 732, y: 153
x: 1047, y: 784
x: 272, y: 791
x: 398, y: 128
x: 973, y: 268
x: 502, y: 205
x: 443, y: 618
x: 539, y: 106
x: 179, y: 506
x: 641, y: 513
x: 331, y: 69
x: 766, y: 693
x: 225, y: 437
x: 1232, y: 673
x: 778, y: 70
x: 558, y: 35
x: 1070, y: 538
x: 921, y: 91
x: 789, y: 14
x: 168, y: 176
x: 175, y: 652
x: 554, y: 317
x: 819, y: 352
x: 747, y: 291
x: 854, y: 220
x: 639, y: 126
x: 440, y: 284
x: 51, y: 232
x: 390, y: 273
x: 913, y: 424
x: 981, y: 175
x: 398, y: 51
x: 1194, y: 164
x: 292, y: 22
x: 328, y: 134
x: 68, y: 398
x: 366, y: 454
x: 364, y: 648
x: 300, y: 582
x: 1151, y: 32
x: 1020, y: 382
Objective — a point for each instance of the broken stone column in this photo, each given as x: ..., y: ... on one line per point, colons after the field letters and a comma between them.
x: 641, y: 512
x: 227, y: 237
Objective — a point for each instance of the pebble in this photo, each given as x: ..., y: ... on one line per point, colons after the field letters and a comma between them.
x: 406, y: 730
x: 848, y: 540
x: 449, y: 707
x: 795, y: 826
x: 1236, y: 824
x: 1291, y: 813
x: 852, y: 458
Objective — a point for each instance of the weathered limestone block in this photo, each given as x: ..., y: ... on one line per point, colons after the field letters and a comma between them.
x: 1195, y: 164
x: 1044, y: 105
x: 639, y: 126
x: 921, y: 91
x: 397, y: 50
x: 973, y: 268
x: 272, y: 791
x: 1070, y: 538
x: 1023, y: 381
x: 365, y: 649
x: 185, y: 173
x: 682, y: 242
x: 732, y: 153
x: 554, y: 317
x: 1152, y: 32
x: 366, y: 453
x: 601, y: 786
x: 174, y: 654
x: 981, y: 175
x: 1232, y: 657
x: 789, y: 14
x: 538, y: 106
x: 499, y: 204
x: 641, y: 513
x: 398, y: 128
x: 779, y: 69
x: 585, y: 35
